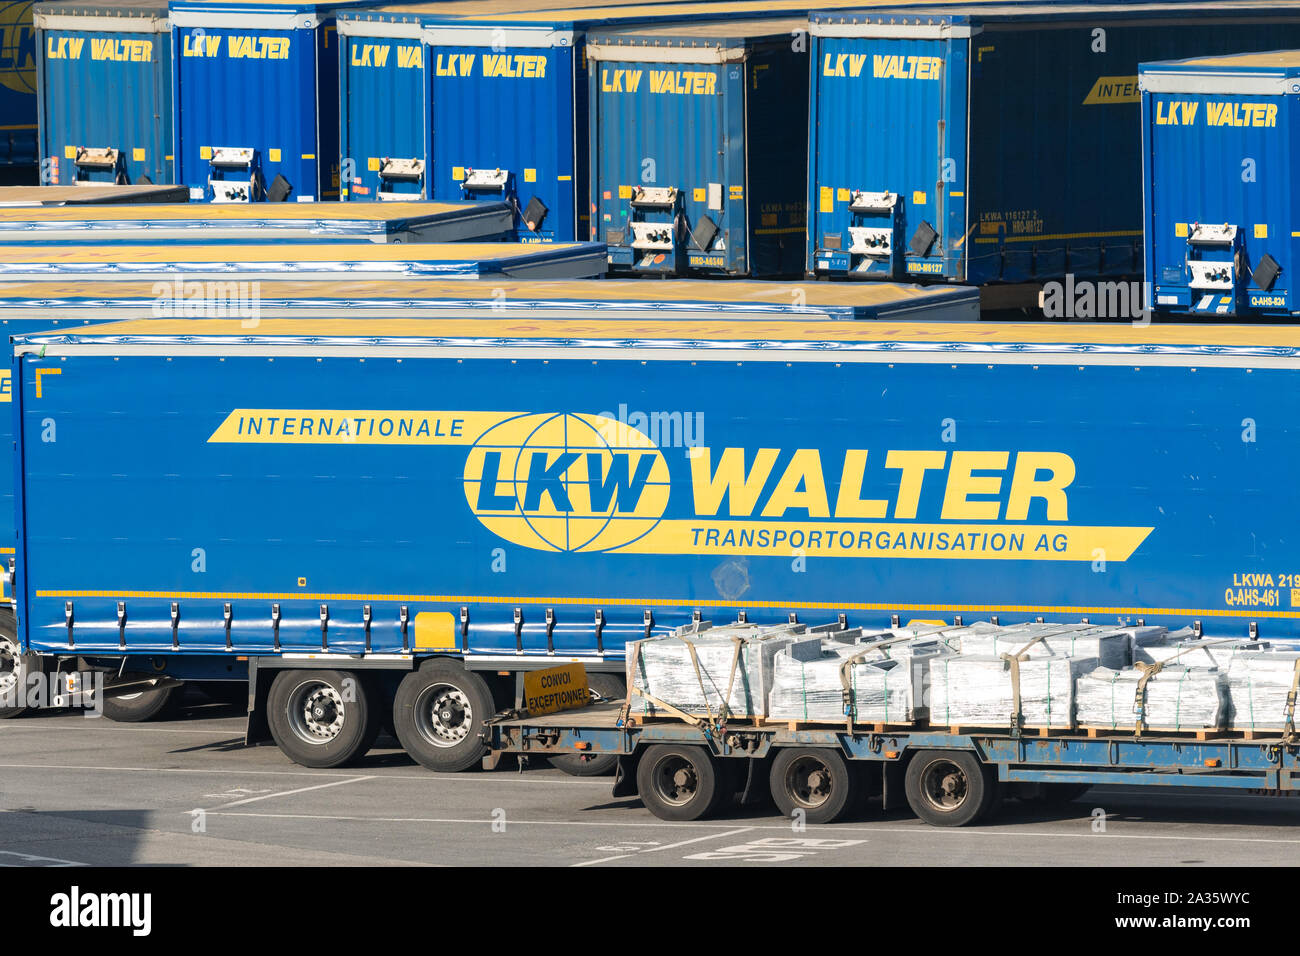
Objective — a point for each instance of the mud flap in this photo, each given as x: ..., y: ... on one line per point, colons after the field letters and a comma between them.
x: 625, y: 775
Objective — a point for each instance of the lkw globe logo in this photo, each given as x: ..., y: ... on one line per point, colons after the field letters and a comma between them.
x: 566, y: 482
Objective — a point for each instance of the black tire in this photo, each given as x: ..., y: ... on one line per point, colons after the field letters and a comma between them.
x: 950, y: 788
x: 141, y: 706
x: 322, y: 718
x: 815, y: 780
x: 680, y: 782
x: 11, y: 670
x: 593, y: 765
x: 438, y: 713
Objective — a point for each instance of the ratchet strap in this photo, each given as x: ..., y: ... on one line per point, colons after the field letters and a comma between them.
x: 1288, y: 733
x: 1149, y: 671
x: 846, y: 674
x: 1017, y: 718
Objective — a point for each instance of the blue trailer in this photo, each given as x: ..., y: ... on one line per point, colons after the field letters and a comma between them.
x: 1221, y: 218
x: 87, y: 194
x: 606, y: 299
x: 994, y: 144
x: 17, y: 84
x: 577, y: 484
x: 392, y: 222
x: 255, y: 99
x: 104, y: 78
x: 502, y: 92
x: 255, y: 262
x: 697, y: 132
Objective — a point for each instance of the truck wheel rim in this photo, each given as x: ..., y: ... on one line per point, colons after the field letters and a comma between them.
x: 675, y: 780
x: 944, y: 786
x: 10, y: 667
x: 443, y: 715
x: 316, y: 712
x: 808, y: 781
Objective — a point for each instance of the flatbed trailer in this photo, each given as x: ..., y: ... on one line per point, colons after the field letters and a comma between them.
x: 684, y: 771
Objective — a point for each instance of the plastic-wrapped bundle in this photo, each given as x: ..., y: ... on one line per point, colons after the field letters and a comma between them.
x: 663, y: 668
x: 1258, y: 685
x: 887, y: 683
x: 1113, y: 647
x: 977, y: 691
x: 1177, y: 698
x: 1208, y: 652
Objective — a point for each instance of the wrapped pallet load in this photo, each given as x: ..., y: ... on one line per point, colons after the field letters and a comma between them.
x: 979, y: 691
x: 695, y: 672
x: 1258, y: 684
x: 887, y: 678
x: 1176, y: 697
x: 1187, y: 652
x: 1113, y: 647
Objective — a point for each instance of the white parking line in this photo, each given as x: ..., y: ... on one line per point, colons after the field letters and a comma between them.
x: 290, y: 793
x: 670, y: 846
x: 417, y: 775
x: 115, y: 728
x: 907, y: 828
x: 26, y: 859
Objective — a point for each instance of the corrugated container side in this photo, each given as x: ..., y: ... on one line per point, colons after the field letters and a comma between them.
x: 510, y: 109
x: 274, y: 90
x: 384, y: 113
x: 874, y: 130
x: 1222, y: 156
x: 106, y: 86
x: 17, y: 84
x: 642, y: 136
x: 729, y: 136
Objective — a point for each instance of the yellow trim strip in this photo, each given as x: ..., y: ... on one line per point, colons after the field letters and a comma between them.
x: 1062, y: 235
x: 663, y: 602
x: 724, y: 330
x: 237, y: 212
x: 360, y: 251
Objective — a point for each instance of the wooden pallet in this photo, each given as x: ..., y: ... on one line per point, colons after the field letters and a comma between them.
x: 1208, y: 733
x: 1001, y: 730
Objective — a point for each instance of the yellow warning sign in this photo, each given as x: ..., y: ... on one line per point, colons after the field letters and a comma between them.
x: 556, y: 688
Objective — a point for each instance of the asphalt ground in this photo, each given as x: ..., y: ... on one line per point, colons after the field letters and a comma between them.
x: 186, y: 791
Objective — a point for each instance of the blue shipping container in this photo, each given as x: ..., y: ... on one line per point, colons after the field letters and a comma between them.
x: 17, y: 84
x: 697, y: 136
x: 384, y: 110
x: 642, y: 473
x: 255, y: 98
x: 1221, y: 145
x: 502, y: 107
x: 998, y: 143
x: 105, y: 92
